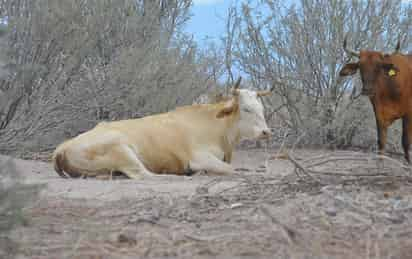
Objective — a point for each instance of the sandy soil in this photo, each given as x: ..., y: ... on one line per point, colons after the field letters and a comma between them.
x: 266, y: 210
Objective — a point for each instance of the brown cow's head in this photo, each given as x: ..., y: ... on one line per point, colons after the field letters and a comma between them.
x: 374, y: 67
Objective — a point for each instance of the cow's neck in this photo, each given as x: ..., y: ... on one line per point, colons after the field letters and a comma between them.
x: 232, y: 133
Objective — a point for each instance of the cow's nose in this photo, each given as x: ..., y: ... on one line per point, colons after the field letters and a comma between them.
x: 265, y: 133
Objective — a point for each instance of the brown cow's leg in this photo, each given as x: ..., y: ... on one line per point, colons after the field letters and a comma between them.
x: 382, y: 130
x: 381, y: 134
x: 406, y: 131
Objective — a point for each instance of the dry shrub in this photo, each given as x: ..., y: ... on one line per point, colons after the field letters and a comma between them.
x: 84, y: 62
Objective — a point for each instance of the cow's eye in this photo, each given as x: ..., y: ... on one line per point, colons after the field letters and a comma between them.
x: 247, y: 110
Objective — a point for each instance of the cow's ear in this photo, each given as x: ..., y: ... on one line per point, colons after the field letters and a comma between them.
x: 349, y: 69
x: 227, y: 110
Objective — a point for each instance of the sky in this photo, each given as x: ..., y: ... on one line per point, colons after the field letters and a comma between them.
x: 207, y: 20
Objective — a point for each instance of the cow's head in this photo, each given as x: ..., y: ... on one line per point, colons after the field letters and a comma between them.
x: 252, y: 123
x: 374, y: 67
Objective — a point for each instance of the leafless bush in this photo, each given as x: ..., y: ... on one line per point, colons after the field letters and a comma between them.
x: 73, y: 64
x: 77, y: 63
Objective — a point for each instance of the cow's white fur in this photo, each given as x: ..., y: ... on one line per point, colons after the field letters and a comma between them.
x: 252, y: 121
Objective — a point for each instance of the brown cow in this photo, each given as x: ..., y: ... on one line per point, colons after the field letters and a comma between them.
x: 387, y: 81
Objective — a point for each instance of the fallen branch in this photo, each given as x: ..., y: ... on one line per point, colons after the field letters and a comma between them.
x: 336, y: 160
x: 350, y: 172
x: 300, y: 167
x: 290, y: 234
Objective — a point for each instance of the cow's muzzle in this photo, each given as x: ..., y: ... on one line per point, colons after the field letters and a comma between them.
x: 265, y: 134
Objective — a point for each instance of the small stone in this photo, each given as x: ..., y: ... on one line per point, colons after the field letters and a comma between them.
x: 201, y: 190
x: 236, y: 205
x: 331, y: 212
x: 126, y: 239
x: 242, y: 169
x: 397, y: 197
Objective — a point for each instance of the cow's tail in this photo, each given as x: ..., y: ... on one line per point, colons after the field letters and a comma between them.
x: 62, y: 166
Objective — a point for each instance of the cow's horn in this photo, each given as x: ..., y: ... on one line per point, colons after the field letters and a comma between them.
x: 235, y: 90
x: 398, y: 47
x: 238, y: 83
x: 349, y: 51
x: 266, y: 92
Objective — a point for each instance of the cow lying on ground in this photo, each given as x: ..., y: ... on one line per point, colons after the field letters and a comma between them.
x: 387, y: 80
x: 187, y: 139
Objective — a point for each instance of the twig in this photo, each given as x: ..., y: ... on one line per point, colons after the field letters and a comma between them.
x: 337, y: 159
x: 350, y: 174
x: 373, y: 215
x: 149, y: 248
x: 75, y: 247
x: 230, y: 188
x: 344, y: 172
x: 289, y: 233
x: 300, y: 167
x: 297, y: 141
x: 282, y: 145
x: 206, y: 238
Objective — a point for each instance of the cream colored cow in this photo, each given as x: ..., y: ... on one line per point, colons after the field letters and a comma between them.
x: 187, y: 139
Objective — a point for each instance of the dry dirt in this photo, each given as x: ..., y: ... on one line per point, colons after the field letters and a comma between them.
x: 266, y: 210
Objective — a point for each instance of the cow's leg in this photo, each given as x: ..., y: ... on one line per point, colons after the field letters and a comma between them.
x: 228, y: 157
x: 406, y: 136
x: 131, y: 165
x: 382, y: 130
x: 210, y: 163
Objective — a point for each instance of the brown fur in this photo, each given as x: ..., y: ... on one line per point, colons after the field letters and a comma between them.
x: 390, y: 95
x: 61, y: 166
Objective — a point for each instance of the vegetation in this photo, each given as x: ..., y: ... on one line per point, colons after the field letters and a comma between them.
x: 299, y: 49
x: 66, y: 65
x: 76, y: 63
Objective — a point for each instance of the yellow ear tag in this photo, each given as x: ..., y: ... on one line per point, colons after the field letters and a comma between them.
x: 392, y: 72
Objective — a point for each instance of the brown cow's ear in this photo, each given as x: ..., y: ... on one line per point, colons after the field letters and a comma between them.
x: 349, y: 69
x: 227, y: 110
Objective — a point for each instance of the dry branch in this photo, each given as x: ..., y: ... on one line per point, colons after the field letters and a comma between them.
x: 289, y: 233
x: 353, y: 167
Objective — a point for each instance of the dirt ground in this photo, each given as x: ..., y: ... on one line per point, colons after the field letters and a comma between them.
x: 317, y: 204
